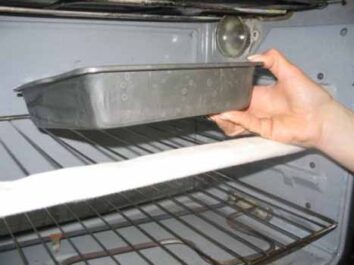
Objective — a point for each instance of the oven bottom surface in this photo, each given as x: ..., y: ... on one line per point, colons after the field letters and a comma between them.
x: 213, y: 218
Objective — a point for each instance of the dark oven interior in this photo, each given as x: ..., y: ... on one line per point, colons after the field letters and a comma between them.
x: 288, y: 210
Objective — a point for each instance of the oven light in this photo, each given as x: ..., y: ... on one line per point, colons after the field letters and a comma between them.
x: 232, y: 36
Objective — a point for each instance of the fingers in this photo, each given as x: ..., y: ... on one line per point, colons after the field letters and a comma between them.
x: 275, y: 62
x: 261, y: 126
x: 229, y: 128
x: 240, y: 122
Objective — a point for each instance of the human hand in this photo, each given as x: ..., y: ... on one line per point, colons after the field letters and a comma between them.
x: 293, y: 110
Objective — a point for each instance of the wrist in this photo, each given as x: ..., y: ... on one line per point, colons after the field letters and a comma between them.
x: 337, y: 136
x: 333, y: 119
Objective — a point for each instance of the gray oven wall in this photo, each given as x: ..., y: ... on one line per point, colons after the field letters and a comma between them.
x: 319, y: 41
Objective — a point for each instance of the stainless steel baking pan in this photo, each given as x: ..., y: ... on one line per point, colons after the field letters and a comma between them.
x: 116, y: 96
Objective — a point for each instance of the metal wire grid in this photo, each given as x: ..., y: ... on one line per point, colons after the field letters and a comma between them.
x: 230, y: 222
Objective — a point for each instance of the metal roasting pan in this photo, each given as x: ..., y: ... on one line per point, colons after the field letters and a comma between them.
x: 117, y: 96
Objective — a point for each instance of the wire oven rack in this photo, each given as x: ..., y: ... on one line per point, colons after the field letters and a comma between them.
x: 219, y: 219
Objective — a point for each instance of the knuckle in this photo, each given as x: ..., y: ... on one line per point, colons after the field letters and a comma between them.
x: 273, y: 52
x: 294, y: 70
x: 234, y: 133
x: 229, y: 133
x: 266, y: 128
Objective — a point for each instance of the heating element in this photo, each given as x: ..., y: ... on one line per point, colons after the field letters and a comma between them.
x: 213, y: 218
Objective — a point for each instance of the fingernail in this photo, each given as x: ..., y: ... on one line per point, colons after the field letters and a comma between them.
x: 254, y: 57
x: 211, y: 117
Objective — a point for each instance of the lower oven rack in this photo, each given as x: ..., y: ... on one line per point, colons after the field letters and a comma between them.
x: 218, y: 220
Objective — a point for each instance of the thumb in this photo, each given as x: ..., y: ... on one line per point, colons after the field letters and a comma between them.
x: 275, y: 62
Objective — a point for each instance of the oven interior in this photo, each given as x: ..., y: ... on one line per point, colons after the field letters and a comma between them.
x: 289, y: 210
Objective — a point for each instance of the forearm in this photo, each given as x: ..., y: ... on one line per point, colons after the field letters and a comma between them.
x: 337, y: 135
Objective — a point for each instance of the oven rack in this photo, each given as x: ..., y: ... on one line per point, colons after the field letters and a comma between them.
x: 218, y: 220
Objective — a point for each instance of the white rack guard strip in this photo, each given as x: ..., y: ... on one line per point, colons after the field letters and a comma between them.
x: 80, y: 183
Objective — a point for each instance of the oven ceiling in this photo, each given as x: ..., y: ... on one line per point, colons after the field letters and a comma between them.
x: 181, y: 8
